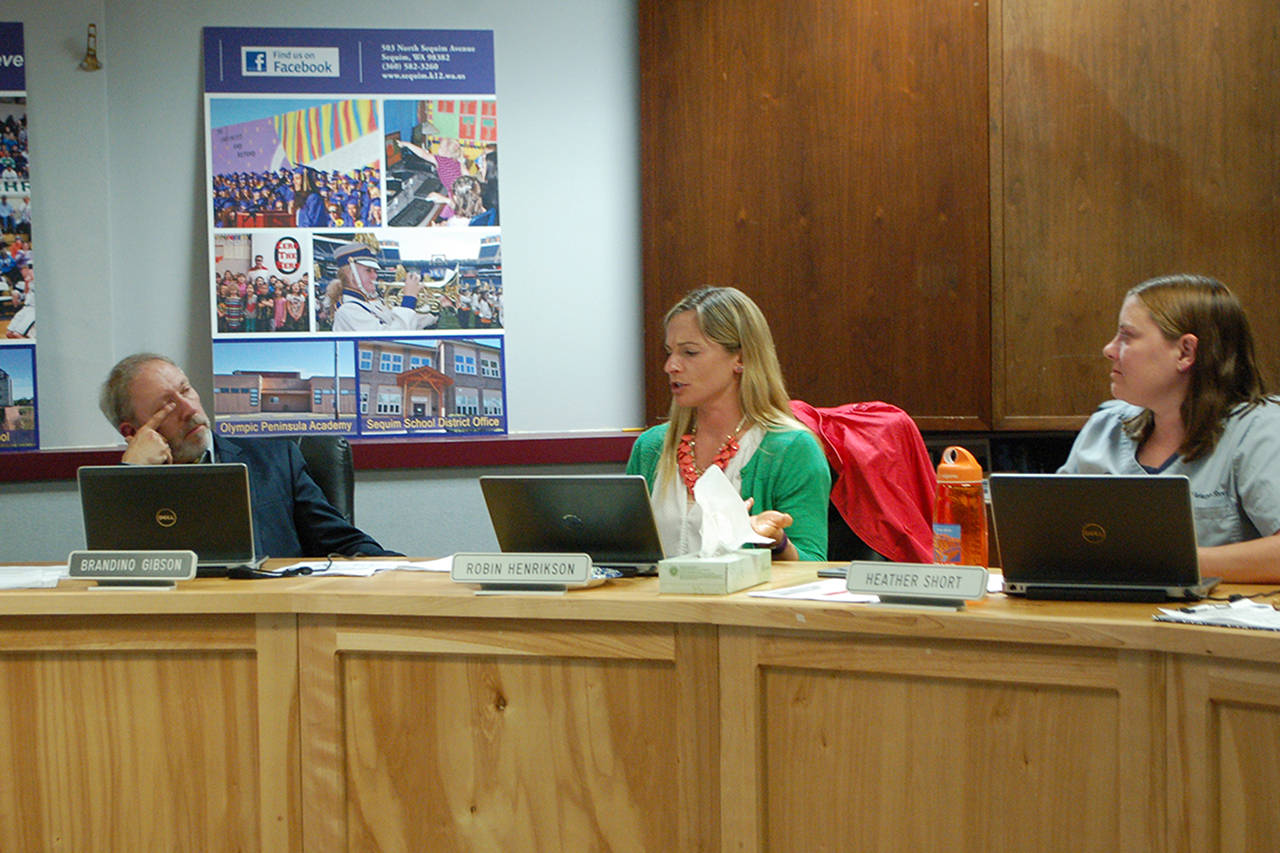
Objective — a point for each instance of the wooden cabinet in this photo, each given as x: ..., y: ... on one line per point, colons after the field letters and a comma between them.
x: 940, y: 204
x: 1130, y: 141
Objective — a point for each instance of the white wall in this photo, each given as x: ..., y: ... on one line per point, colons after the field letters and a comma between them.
x: 120, y: 226
x: 120, y: 214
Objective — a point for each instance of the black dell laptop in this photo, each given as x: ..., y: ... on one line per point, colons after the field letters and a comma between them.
x: 1108, y: 537
x: 607, y: 517
x: 200, y: 508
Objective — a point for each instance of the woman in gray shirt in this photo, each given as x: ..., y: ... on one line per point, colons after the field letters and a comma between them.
x: 1190, y: 400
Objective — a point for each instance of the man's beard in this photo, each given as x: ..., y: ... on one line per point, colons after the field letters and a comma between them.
x: 192, y: 449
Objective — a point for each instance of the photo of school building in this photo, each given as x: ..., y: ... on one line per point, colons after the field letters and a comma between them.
x: 431, y: 378
x: 251, y: 392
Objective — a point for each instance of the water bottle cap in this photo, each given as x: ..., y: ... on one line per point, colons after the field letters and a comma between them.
x: 959, y: 466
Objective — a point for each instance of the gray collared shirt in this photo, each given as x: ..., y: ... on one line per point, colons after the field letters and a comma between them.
x: 1235, y: 490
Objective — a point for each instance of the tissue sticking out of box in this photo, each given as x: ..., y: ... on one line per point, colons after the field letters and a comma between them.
x: 726, y: 527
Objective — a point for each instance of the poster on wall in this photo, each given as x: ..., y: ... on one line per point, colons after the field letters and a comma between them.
x: 355, y: 240
x: 18, y: 423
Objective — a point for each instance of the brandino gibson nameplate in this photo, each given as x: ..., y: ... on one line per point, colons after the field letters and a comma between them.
x: 930, y: 584
x: 517, y: 572
x: 133, y: 568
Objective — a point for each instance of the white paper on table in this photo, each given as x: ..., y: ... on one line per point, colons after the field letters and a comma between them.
x: 32, y: 577
x: 366, y: 568
x: 1241, y: 613
x: 826, y: 589
x: 440, y: 564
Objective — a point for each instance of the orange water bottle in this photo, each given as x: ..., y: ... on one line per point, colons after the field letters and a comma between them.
x: 960, y: 510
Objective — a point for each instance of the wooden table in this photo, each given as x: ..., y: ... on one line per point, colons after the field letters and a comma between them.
x: 402, y: 712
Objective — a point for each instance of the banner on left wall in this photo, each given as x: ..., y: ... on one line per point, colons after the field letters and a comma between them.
x: 19, y: 428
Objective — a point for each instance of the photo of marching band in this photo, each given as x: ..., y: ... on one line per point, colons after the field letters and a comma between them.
x: 366, y: 285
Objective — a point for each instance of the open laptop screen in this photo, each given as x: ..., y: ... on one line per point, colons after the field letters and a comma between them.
x: 607, y: 517
x: 201, y: 508
x: 1074, y: 535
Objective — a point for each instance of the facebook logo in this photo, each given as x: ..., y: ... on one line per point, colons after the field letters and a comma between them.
x: 293, y: 61
x: 255, y: 61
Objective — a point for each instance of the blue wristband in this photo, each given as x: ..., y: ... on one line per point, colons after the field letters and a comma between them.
x: 780, y: 545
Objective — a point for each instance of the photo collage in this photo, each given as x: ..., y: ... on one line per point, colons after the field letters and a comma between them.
x: 356, y: 264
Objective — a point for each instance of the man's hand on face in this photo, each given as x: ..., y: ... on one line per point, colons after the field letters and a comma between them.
x: 147, y: 446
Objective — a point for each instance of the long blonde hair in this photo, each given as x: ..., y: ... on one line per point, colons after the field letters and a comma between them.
x: 728, y: 317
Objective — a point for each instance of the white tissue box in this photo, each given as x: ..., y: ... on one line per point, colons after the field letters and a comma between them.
x: 718, y: 575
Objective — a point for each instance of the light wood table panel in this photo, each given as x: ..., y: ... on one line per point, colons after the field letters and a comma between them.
x: 1224, y: 755
x: 402, y: 712
x: 144, y: 733
x: 874, y: 744
x: 469, y: 734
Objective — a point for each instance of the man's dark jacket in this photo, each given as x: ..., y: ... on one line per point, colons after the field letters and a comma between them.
x: 291, y: 517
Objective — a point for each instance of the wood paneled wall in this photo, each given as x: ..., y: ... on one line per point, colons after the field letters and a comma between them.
x: 1135, y: 139
x: 939, y: 203
x: 831, y: 160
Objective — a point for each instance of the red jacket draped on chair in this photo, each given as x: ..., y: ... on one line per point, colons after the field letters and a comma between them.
x: 885, y: 482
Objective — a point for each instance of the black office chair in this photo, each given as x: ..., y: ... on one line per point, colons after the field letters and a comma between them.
x: 328, y: 459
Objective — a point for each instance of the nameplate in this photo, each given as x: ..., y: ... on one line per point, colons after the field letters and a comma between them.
x: 550, y: 572
x: 930, y: 584
x: 133, y: 568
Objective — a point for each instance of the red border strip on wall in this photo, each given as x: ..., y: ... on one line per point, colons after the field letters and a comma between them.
x: 376, y: 454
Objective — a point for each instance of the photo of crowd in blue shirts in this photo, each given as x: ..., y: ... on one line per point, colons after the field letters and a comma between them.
x: 17, y: 270
x: 280, y: 163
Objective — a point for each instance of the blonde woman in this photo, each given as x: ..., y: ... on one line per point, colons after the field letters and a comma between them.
x: 729, y: 408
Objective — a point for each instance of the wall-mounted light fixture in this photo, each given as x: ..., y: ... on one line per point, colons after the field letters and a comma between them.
x: 90, y: 61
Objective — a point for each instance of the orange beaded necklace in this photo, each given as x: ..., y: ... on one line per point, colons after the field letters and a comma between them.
x: 686, y: 461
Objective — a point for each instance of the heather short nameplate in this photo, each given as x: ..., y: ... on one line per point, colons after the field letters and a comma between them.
x: 133, y: 568
x: 918, y: 584
x: 512, y: 572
